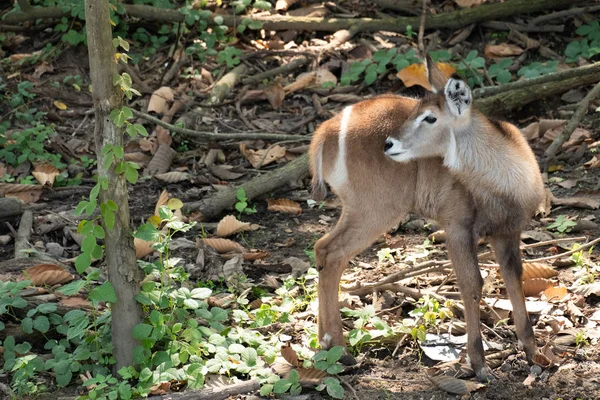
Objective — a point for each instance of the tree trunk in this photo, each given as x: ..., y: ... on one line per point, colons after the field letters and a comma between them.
x: 123, y: 272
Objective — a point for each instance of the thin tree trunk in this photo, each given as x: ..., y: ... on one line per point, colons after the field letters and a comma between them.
x: 123, y: 272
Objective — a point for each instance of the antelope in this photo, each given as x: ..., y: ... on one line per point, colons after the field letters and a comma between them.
x: 439, y: 157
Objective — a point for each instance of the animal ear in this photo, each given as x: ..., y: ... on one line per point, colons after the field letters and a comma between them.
x: 437, y: 79
x: 458, y: 96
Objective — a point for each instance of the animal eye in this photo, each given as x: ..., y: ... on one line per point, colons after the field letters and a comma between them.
x: 430, y: 119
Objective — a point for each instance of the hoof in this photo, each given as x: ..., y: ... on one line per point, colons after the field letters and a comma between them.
x: 486, y: 375
x: 347, y: 359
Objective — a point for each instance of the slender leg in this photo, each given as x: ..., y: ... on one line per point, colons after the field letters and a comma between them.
x: 354, y: 232
x: 509, y: 257
x: 461, y: 242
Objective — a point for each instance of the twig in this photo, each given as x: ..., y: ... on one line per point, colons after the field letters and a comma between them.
x: 565, y: 13
x: 284, y: 69
x: 507, y: 26
x: 574, y: 122
x: 485, y: 255
x: 219, y: 136
x: 23, y: 234
x: 349, y: 387
x: 422, y: 28
x: 583, y: 246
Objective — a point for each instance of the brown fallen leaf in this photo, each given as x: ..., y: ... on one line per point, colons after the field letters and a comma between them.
x: 502, y: 50
x: 310, y: 376
x: 290, y: 355
x: 578, y: 202
x: 534, y: 286
x: 537, y: 270
x: 161, y: 161
x: 41, y: 69
x: 142, y: 248
x: 324, y: 76
x: 556, y: 293
x: 284, y: 205
x: 47, y: 274
x: 75, y: 302
x: 223, y: 246
x: 593, y: 163
x: 173, y: 177
x: 468, y: 3
x: 275, y: 95
x: 26, y: 193
x: 568, y: 183
x: 160, y: 99
x: 302, y: 81
x: 45, y: 174
x: 282, y: 5
x: 160, y: 388
x: 415, y: 74
x: 230, y: 225
x: 260, y: 158
x: 453, y: 385
x: 222, y: 172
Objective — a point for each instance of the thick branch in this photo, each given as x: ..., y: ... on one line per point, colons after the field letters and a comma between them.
x: 452, y: 20
x: 213, y: 205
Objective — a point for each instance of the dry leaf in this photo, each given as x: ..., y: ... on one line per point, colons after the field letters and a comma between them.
x: 275, y: 95
x: 42, y: 68
x: 173, y: 177
x: 578, y: 202
x: 161, y: 388
x: 45, y: 173
x: 224, y: 245
x: 415, y: 74
x: 593, y: 163
x: 163, y: 199
x: 159, y: 100
x: 502, y: 50
x: 556, y: 293
x: 47, y: 274
x: 534, y: 286
x: 60, y: 105
x: 290, y: 355
x: 568, y: 183
x: 586, y: 290
x: 302, y: 81
x: 230, y: 225
x: 456, y: 386
x: 310, y: 376
x: 137, y: 157
x: 282, y: 5
x: 75, y: 302
x: 468, y: 3
x: 255, y: 255
x: 260, y: 158
x: 142, y: 248
x: 161, y: 161
x: 324, y: 76
x: 25, y: 193
x: 537, y: 270
x: 223, y: 173
x: 284, y: 205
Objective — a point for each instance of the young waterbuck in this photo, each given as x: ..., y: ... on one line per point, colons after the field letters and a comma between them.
x: 439, y: 157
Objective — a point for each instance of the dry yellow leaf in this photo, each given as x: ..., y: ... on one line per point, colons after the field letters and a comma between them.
x: 230, y: 225
x: 415, y: 74
x: 47, y: 274
x: 284, y: 205
x: 537, y: 270
x: 534, y: 286
x: 556, y: 293
x: 60, y: 105
x: 45, y: 174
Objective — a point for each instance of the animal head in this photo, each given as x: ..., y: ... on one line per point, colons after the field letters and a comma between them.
x: 429, y: 130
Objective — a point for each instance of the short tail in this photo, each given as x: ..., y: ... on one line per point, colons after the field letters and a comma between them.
x: 319, y: 188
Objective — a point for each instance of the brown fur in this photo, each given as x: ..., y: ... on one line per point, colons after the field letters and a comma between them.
x: 380, y: 192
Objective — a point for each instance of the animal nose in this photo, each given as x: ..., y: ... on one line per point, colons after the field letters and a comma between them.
x: 388, y: 144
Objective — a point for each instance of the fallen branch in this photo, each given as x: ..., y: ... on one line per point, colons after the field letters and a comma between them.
x: 213, y: 205
x: 565, y: 13
x: 219, y: 393
x: 23, y: 234
x: 452, y: 20
x: 219, y: 136
x: 588, y: 70
x: 581, y: 111
x: 284, y: 69
x: 567, y: 253
x: 10, y: 207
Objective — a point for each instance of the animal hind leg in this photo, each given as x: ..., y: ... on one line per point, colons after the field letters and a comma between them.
x: 508, y: 256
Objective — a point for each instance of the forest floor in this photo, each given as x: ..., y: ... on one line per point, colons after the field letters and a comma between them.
x: 565, y: 310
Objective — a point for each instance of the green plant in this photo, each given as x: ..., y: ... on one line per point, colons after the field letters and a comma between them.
x: 500, y: 72
x: 28, y: 145
x: 378, y: 65
x: 581, y: 339
x: 409, y: 31
x: 587, y: 47
x: 562, y: 224
x: 536, y: 69
x: 367, y: 326
x: 242, y: 204
x: 229, y: 56
x: 469, y: 67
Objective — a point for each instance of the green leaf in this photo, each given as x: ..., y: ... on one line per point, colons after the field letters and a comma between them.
x: 249, y: 356
x: 281, y: 386
x: 46, y: 308
x: 27, y: 325
x: 218, y: 20
x: 201, y: 293
x: 334, y: 354
x: 142, y: 331
x: 334, y: 388
x: 82, y: 262
x: 266, y: 389
x: 41, y: 323
x: 104, y: 292
x: 334, y: 369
